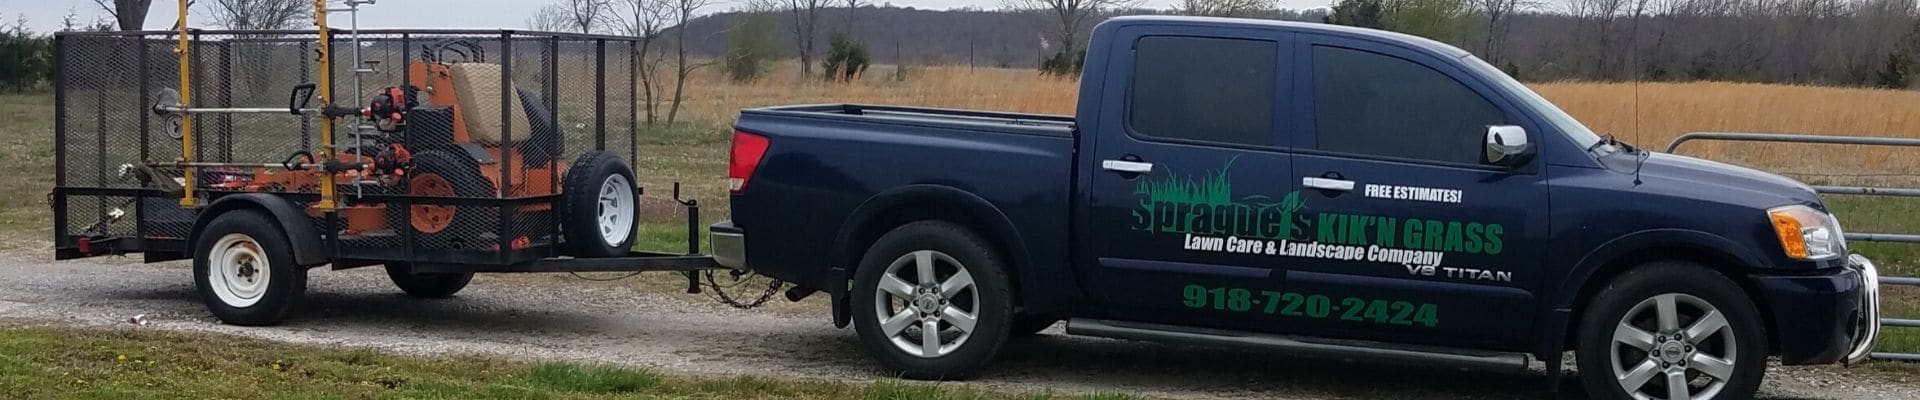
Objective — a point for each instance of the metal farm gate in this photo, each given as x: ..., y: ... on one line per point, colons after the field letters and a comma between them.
x: 1853, y: 190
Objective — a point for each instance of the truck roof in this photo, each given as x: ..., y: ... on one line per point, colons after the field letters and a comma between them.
x: 1309, y: 27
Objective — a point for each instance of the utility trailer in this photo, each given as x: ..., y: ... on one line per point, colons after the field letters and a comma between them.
x: 448, y: 152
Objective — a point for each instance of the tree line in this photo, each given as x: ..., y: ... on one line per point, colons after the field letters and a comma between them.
x: 26, y: 57
x: 1828, y: 42
x: 1825, y: 42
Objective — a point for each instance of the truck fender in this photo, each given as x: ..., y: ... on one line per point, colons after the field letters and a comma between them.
x: 1566, y: 293
x: 977, y: 212
x: 308, y: 250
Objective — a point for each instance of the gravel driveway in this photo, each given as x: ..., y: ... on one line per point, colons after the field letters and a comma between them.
x: 643, y: 323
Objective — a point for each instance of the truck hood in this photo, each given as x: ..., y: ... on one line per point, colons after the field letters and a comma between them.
x: 1726, y: 183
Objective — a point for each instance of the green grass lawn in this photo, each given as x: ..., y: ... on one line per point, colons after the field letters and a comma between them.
x: 26, y: 157
x: 76, y: 363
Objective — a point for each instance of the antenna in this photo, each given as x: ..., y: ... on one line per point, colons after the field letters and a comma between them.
x: 1633, y: 62
x: 1633, y: 59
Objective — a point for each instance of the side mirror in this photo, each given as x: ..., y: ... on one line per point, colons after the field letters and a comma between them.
x: 1507, y: 145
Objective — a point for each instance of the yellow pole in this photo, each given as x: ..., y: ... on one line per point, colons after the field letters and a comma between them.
x: 326, y: 97
x: 186, y: 119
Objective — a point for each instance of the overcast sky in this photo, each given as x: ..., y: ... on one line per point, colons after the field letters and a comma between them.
x: 45, y: 15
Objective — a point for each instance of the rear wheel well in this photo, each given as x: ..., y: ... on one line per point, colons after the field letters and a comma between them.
x: 1723, y: 264
x: 869, y: 231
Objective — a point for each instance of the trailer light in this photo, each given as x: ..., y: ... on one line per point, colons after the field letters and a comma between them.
x: 744, y: 158
x: 1806, y: 233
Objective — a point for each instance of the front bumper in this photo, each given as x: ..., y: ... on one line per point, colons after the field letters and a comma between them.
x: 729, y: 245
x: 1827, y: 317
x: 1867, y: 321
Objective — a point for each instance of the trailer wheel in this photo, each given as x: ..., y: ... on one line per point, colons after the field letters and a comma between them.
x: 427, y: 285
x: 600, y: 206
x: 244, y: 270
x: 1671, y: 330
x: 437, y: 173
x: 932, y: 301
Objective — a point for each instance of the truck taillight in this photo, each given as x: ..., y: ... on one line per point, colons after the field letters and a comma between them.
x: 747, y: 150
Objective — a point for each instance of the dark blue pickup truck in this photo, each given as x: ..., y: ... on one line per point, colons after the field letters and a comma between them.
x: 1312, y: 189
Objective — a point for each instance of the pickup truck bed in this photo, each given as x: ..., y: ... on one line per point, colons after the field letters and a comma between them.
x: 937, y: 152
x: 995, y: 121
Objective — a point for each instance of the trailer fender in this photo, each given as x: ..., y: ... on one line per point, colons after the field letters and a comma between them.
x: 308, y: 250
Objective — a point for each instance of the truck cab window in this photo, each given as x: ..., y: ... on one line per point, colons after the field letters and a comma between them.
x: 1373, y: 104
x: 1204, y: 89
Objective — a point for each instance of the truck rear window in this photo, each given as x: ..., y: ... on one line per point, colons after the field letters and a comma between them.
x: 1203, y: 89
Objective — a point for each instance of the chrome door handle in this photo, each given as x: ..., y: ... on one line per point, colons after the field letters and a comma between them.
x: 1327, y: 183
x: 1134, y: 167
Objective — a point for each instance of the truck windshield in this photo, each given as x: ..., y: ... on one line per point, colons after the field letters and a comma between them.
x: 1581, y: 136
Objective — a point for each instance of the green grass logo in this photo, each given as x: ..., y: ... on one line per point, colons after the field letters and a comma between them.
x: 1205, y: 205
x: 1214, y: 190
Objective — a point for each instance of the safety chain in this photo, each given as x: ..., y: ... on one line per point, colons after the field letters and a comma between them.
x: 738, y: 278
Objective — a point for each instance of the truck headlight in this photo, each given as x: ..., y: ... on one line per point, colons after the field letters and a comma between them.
x: 1807, y: 234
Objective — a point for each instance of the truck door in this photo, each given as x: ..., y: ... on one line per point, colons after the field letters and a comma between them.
x: 1190, y: 175
x: 1411, y: 235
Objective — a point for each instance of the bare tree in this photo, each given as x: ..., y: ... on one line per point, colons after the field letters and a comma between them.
x: 645, y: 19
x: 682, y: 12
x: 585, y: 15
x: 551, y: 17
x: 131, y: 14
x: 260, y: 14
x: 1598, y: 18
x: 853, y: 7
x: 1499, y: 14
x: 806, y: 17
x: 1072, y: 16
x: 1228, y: 8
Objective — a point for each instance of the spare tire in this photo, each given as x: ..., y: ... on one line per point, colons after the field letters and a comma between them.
x: 599, y: 205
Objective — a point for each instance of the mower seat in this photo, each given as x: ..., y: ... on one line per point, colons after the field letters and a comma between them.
x: 478, y: 95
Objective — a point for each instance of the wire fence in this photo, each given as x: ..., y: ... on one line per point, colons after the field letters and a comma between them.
x: 1854, y: 190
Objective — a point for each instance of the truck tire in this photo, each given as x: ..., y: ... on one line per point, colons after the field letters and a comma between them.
x: 1030, y: 325
x: 438, y: 173
x: 1671, y: 329
x: 932, y: 300
x: 427, y: 285
x: 243, y: 268
x: 599, y: 206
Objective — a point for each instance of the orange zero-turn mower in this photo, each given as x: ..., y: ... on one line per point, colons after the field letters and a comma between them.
x: 447, y: 135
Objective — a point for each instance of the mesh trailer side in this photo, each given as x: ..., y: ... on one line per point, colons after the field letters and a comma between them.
x: 575, y: 90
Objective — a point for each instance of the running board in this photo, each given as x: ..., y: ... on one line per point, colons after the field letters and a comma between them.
x: 1317, y: 347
